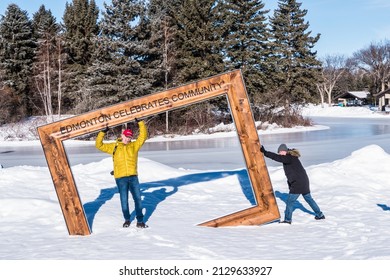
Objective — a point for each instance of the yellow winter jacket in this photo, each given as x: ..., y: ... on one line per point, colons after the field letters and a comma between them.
x: 126, y: 156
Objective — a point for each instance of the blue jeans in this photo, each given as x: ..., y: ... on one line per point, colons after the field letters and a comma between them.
x: 126, y: 184
x: 290, y: 205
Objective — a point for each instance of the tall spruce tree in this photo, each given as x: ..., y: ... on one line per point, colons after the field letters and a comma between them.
x: 46, y: 31
x: 198, y: 55
x: 80, y: 24
x: 294, y: 68
x: 245, y: 36
x: 16, y: 57
x: 199, y: 45
x: 118, y: 72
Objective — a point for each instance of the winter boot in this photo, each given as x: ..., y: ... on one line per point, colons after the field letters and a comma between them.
x: 320, y: 218
x: 142, y: 225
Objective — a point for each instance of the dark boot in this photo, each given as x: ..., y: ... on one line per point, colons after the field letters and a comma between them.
x: 142, y: 225
x: 320, y: 218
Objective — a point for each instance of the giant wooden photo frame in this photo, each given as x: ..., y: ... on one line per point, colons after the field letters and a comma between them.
x: 230, y: 84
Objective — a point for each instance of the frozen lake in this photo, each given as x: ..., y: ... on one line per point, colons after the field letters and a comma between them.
x: 344, y: 136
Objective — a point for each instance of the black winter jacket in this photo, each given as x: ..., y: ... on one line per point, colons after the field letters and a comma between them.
x: 297, y: 179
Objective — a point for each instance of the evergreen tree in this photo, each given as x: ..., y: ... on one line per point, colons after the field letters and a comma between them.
x: 199, y: 45
x: 294, y: 69
x: 46, y: 30
x: 80, y: 28
x: 80, y: 23
x: 243, y: 27
x: 198, y: 55
x: 118, y: 72
x: 16, y: 56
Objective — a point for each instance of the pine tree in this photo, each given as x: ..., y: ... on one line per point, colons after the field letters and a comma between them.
x: 80, y: 23
x: 199, y: 46
x: 198, y: 55
x: 16, y: 56
x: 117, y: 73
x: 294, y: 69
x: 80, y: 28
x: 245, y: 35
x: 46, y: 30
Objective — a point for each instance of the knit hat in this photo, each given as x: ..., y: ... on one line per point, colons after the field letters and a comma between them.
x: 282, y: 147
x: 127, y: 133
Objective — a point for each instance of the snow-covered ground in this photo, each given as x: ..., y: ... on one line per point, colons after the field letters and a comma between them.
x: 353, y: 193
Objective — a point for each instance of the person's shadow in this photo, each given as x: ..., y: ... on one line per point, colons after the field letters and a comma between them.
x: 165, y: 188
x: 91, y: 208
x: 152, y: 199
x: 384, y: 207
x: 297, y: 204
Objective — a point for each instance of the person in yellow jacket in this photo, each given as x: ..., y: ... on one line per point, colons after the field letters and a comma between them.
x: 125, y: 156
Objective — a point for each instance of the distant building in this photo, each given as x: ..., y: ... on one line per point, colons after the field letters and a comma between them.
x: 353, y: 98
x: 383, y: 99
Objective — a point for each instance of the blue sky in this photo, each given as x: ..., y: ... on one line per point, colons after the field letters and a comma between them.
x: 345, y: 26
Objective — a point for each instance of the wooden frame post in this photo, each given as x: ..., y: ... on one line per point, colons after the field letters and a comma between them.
x: 230, y: 84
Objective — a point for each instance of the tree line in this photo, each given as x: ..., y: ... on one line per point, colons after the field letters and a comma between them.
x: 139, y: 47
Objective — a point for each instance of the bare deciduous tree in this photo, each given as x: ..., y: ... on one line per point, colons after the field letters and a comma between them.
x: 375, y: 60
x: 59, y: 76
x: 333, y: 67
x: 43, y: 80
x: 163, y: 32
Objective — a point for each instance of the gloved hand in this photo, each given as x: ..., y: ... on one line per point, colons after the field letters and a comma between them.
x: 262, y: 149
x: 105, y: 130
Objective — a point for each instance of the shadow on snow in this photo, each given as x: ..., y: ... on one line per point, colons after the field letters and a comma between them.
x: 152, y: 198
x: 297, y: 204
x: 384, y: 207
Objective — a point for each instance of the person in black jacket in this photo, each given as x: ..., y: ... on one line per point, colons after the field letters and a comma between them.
x: 297, y: 180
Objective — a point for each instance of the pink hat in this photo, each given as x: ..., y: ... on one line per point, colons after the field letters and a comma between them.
x: 128, y: 133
